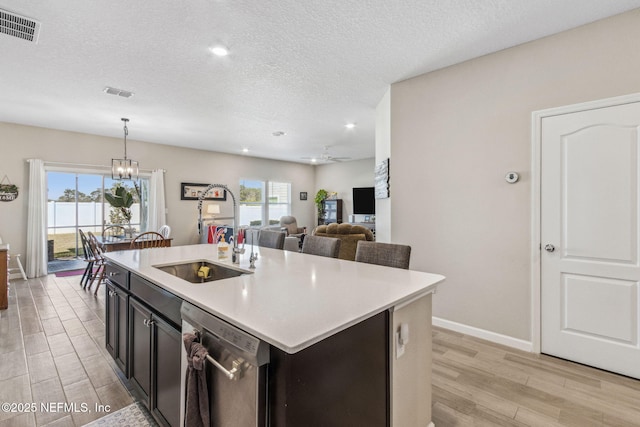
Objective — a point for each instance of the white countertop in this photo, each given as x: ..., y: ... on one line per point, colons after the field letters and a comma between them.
x: 291, y: 300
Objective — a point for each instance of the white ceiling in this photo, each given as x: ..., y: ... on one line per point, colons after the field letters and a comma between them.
x: 299, y: 66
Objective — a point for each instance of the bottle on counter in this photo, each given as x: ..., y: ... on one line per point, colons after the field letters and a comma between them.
x: 223, y: 248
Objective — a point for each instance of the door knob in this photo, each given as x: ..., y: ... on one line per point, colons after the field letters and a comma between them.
x: 549, y: 247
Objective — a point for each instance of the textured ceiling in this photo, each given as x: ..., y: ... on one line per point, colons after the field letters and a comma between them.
x: 303, y: 67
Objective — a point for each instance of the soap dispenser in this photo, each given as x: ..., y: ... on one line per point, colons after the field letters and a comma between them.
x: 223, y: 248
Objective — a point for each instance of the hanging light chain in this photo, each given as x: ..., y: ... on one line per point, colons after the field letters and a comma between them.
x: 126, y: 132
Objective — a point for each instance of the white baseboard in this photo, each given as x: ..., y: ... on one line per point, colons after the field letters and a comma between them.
x: 484, y: 334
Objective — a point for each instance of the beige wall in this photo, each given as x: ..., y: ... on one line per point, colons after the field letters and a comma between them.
x: 383, y: 151
x: 342, y: 177
x: 456, y: 132
x: 18, y: 143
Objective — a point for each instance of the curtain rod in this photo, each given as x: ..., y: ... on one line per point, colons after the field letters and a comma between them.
x: 88, y: 166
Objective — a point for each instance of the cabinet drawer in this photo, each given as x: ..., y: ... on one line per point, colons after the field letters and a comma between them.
x: 163, y: 302
x: 117, y: 275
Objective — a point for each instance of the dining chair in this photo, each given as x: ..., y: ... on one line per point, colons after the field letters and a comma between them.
x: 18, y: 267
x: 271, y: 239
x: 96, y: 248
x: 387, y: 254
x: 150, y: 239
x: 113, y: 231
x: 323, y: 246
x: 89, y: 258
x: 165, y: 230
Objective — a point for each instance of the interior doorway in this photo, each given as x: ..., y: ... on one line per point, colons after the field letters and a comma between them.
x: 589, y: 233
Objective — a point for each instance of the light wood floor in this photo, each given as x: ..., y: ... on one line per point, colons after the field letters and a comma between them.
x: 480, y: 383
x: 52, y: 351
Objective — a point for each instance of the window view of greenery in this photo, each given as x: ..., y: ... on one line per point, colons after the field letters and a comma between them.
x: 279, y: 201
x: 251, y: 202
x: 77, y: 201
x: 260, y: 200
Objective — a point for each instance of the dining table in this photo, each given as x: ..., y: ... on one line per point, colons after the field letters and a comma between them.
x: 121, y: 243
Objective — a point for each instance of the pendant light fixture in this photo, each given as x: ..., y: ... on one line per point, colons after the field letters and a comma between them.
x: 124, y: 168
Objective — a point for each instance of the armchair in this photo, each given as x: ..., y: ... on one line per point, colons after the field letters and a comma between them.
x: 289, y: 225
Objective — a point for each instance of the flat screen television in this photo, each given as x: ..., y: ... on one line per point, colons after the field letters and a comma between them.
x: 364, y: 202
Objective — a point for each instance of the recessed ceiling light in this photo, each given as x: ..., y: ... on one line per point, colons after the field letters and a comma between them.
x: 279, y: 133
x: 219, y: 51
x: 245, y: 150
x: 350, y: 125
x: 313, y: 160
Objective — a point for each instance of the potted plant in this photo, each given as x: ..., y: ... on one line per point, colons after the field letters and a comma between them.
x: 321, y: 196
x: 121, y: 200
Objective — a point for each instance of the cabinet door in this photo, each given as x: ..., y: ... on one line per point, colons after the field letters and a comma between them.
x: 140, y: 348
x: 116, y: 309
x: 329, y: 211
x: 122, y: 343
x: 333, y: 211
x: 167, y: 342
x: 110, y: 319
x: 338, y: 211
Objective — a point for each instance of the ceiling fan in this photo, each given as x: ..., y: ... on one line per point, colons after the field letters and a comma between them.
x: 325, y: 157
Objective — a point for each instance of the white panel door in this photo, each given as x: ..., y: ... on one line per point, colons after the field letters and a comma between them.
x: 589, y: 233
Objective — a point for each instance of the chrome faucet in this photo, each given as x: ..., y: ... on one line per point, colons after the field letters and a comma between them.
x: 235, y: 254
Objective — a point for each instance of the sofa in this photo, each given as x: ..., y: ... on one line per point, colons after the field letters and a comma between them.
x: 348, y: 234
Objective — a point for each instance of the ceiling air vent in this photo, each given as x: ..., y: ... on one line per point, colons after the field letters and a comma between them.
x: 119, y: 92
x: 19, y: 26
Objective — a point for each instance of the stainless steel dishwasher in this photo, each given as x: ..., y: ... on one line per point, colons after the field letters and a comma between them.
x: 236, y: 370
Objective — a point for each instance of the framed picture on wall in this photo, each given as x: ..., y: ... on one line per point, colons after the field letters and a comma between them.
x: 381, y: 180
x: 303, y: 195
x: 192, y: 191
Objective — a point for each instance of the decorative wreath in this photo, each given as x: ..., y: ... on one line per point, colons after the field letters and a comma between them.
x: 8, y: 191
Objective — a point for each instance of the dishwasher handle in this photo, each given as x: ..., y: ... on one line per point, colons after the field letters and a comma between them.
x: 234, y: 374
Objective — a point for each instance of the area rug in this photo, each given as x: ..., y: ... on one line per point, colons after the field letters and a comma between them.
x: 65, y: 264
x: 69, y: 273
x: 134, y: 415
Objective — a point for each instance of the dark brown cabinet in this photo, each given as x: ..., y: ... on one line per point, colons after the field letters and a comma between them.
x: 165, y: 367
x: 142, y: 334
x: 117, y: 316
x: 140, y: 347
x: 332, y: 211
x: 155, y: 356
x: 116, y: 308
x: 342, y: 381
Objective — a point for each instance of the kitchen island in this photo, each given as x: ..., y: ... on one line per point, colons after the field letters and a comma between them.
x: 306, y: 308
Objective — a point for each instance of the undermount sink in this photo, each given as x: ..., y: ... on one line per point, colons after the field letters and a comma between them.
x: 201, y: 271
